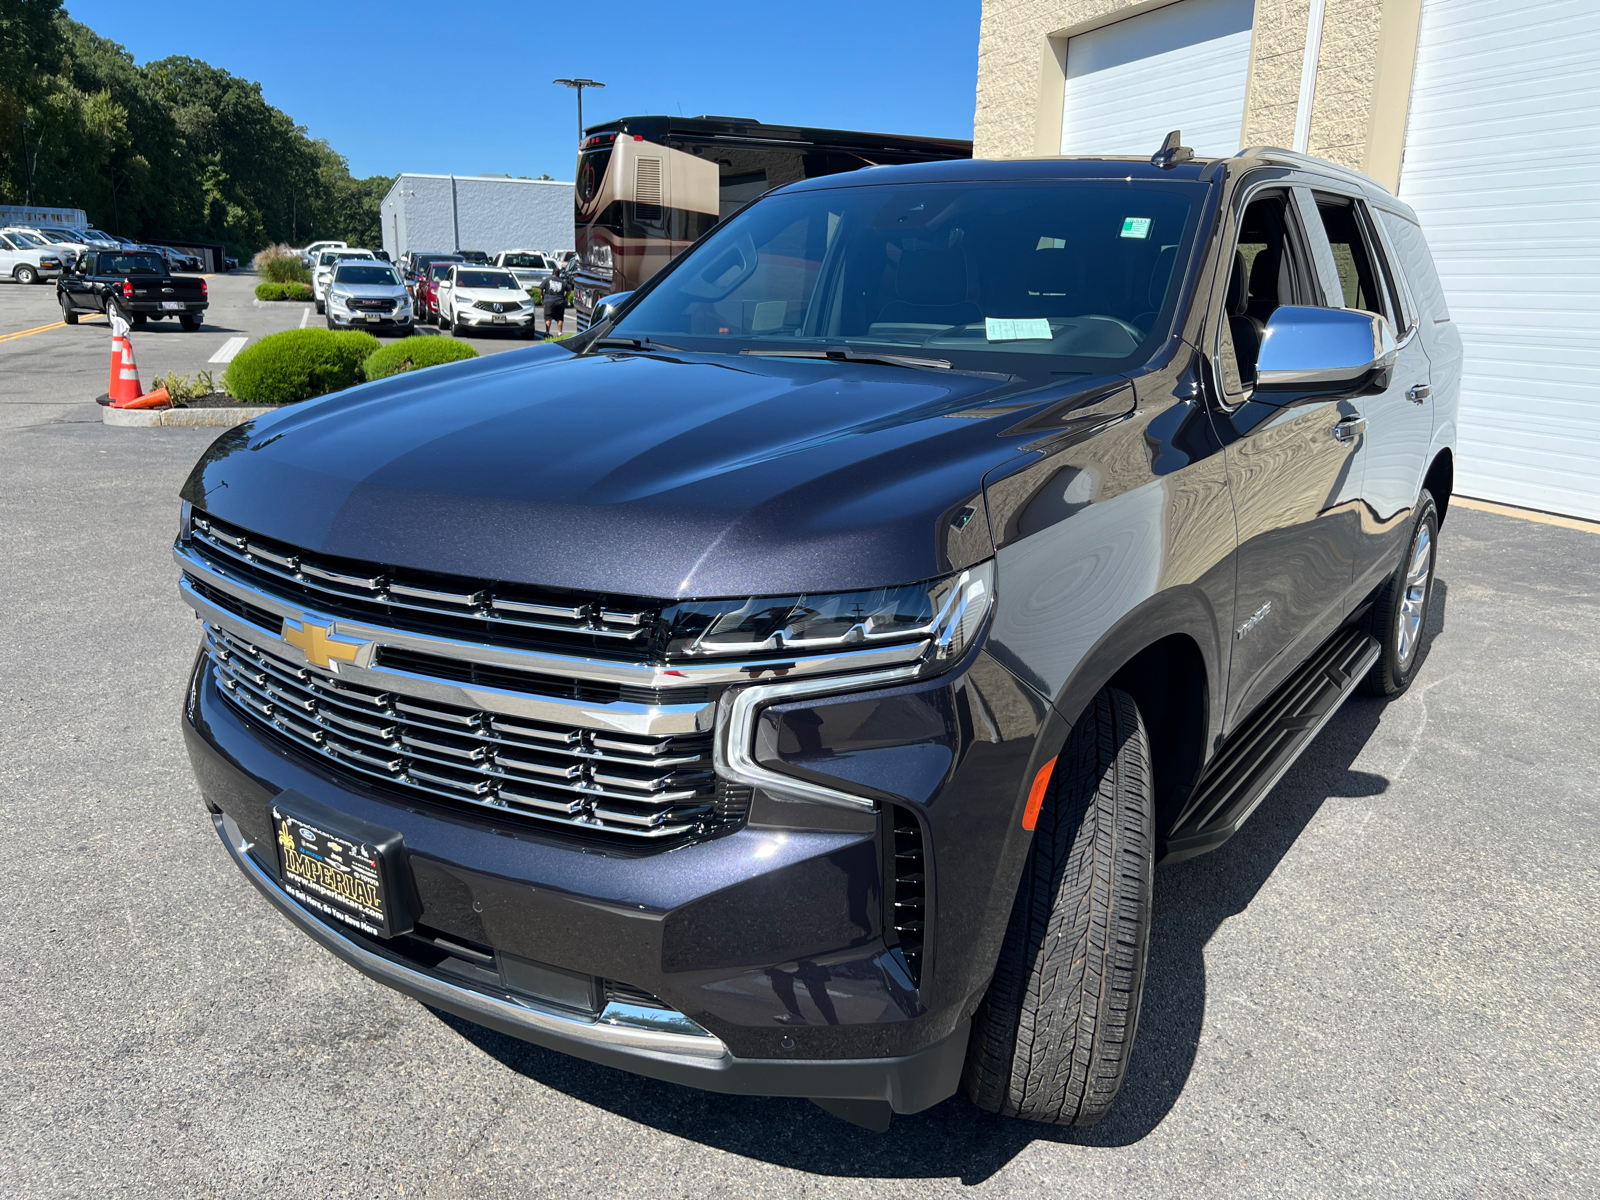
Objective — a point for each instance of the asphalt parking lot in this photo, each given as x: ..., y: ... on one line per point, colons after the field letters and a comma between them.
x: 63, y: 362
x: 1387, y: 985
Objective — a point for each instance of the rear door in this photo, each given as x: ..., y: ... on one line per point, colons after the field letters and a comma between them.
x: 1292, y: 468
x: 1397, y: 424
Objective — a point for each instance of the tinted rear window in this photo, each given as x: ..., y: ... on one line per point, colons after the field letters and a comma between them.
x: 132, y: 264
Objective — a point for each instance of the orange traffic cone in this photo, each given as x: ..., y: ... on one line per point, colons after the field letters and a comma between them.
x: 156, y: 399
x: 125, y: 386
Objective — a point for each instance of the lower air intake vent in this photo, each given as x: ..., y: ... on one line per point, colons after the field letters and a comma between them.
x: 908, y: 888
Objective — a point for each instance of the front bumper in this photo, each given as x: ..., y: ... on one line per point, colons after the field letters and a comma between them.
x: 908, y: 1083
x: 511, y: 320
x: 769, y: 942
x: 360, y: 319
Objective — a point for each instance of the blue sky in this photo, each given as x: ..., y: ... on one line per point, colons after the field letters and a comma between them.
x: 464, y: 87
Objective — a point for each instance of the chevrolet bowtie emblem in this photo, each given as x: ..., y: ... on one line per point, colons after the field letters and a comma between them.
x: 322, y: 647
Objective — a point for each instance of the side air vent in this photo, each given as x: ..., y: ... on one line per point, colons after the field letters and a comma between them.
x: 647, y: 188
x: 908, y: 888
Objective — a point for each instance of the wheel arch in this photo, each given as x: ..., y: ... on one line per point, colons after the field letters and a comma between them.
x: 1440, y: 480
x: 1167, y: 654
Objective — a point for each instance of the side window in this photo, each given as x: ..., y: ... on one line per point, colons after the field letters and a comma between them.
x: 1417, y: 261
x: 5, y: 243
x: 1267, y: 272
x: 1358, y: 275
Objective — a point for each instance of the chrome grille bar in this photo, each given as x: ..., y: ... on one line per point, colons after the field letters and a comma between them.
x: 377, y: 590
x: 649, y: 787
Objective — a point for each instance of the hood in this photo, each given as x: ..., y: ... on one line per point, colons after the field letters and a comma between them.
x: 381, y: 291
x: 696, y: 475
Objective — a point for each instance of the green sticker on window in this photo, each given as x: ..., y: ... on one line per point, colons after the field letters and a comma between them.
x: 1136, y: 227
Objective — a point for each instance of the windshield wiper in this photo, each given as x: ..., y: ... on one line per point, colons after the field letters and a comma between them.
x: 844, y: 354
x: 635, y: 344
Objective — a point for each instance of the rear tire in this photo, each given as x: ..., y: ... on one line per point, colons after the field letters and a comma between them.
x: 1052, y: 1039
x: 190, y: 324
x: 1399, y: 616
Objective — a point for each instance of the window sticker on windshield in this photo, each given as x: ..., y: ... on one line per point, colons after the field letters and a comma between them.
x: 1016, y: 329
x: 1136, y: 227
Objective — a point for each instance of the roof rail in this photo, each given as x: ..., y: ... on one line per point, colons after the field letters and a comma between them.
x: 1293, y: 158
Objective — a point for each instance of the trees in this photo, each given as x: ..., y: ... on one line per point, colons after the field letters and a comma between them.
x: 176, y: 148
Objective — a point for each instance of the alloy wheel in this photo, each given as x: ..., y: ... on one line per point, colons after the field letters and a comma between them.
x: 1414, y: 600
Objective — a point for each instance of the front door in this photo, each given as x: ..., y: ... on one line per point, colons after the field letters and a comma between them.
x: 1292, y: 468
x: 1398, y: 422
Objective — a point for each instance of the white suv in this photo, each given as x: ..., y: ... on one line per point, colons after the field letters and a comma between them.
x: 326, y: 260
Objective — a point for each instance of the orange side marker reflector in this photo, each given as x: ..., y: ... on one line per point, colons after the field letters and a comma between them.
x: 1041, y: 782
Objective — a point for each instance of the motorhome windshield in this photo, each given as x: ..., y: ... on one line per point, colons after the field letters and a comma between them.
x: 1028, y: 278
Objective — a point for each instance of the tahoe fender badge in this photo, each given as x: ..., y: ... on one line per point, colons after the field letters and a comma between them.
x: 1255, y: 619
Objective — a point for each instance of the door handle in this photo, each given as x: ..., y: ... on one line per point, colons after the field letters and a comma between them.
x: 1419, y: 394
x: 1346, y: 431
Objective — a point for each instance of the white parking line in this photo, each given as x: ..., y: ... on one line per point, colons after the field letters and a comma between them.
x: 305, y: 315
x: 229, y: 348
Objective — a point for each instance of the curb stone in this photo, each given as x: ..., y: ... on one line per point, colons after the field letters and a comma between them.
x: 147, y: 417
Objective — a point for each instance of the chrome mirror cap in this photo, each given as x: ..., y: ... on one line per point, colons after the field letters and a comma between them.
x: 607, y: 308
x: 1324, y: 349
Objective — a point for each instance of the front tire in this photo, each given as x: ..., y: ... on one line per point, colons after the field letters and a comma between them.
x: 321, y: 308
x: 1399, y: 616
x: 69, y: 315
x: 1052, y: 1039
x: 25, y: 274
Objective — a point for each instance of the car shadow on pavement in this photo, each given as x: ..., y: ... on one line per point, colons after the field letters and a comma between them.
x: 955, y: 1139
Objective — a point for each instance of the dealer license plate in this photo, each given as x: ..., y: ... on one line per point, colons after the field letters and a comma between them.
x: 374, y: 317
x: 343, y: 878
x: 498, y: 319
x: 170, y: 305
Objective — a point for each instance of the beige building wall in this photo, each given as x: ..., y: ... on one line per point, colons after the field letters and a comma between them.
x: 1363, y: 77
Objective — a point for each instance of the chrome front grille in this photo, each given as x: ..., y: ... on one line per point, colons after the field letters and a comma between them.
x: 590, y: 781
x: 498, y: 306
x: 496, y: 611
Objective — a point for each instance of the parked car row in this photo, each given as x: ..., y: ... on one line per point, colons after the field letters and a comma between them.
x: 33, y: 254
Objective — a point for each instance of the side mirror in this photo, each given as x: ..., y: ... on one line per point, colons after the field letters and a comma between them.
x: 608, y: 307
x: 1325, y: 351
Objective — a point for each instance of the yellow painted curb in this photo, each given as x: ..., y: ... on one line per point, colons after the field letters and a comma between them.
x: 1527, y: 514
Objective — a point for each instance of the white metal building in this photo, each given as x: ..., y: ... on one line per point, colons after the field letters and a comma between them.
x: 1483, y: 115
x: 476, y: 212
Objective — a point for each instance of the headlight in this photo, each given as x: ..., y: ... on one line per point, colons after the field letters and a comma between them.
x: 338, y: 298
x: 939, y: 618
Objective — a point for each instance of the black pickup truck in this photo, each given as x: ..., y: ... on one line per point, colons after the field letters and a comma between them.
x: 791, y: 684
x: 135, y: 283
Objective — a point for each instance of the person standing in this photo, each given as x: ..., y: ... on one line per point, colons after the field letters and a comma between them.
x: 555, y: 304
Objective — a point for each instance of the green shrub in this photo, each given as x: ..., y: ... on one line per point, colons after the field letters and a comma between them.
x: 298, y: 364
x: 414, y: 353
x: 280, y: 264
x: 181, y: 388
x: 298, y: 291
x: 269, y: 291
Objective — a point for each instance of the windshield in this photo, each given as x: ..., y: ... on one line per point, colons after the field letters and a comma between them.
x: 333, y: 256
x: 439, y: 270
x: 357, y: 273
x: 1030, y: 278
x: 533, y: 261
x: 132, y: 264
x: 486, y: 279
x: 25, y: 239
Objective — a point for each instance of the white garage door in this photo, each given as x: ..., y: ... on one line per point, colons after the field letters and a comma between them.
x: 1184, y: 67
x: 1502, y: 163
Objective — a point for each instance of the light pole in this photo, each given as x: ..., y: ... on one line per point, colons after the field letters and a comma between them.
x: 578, y: 85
